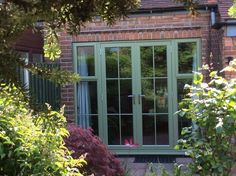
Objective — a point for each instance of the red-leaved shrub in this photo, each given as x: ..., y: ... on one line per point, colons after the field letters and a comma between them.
x: 100, y: 160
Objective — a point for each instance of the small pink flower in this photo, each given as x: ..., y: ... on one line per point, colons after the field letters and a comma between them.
x: 130, y: 143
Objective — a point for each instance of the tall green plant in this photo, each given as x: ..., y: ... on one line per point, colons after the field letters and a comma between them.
x: 32, y: 144
x: 212, y: 109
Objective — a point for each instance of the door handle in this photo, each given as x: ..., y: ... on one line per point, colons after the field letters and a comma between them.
x: 140, y: 96
x: 133, y: 98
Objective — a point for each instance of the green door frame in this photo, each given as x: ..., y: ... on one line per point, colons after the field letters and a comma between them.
x: 173, y: 76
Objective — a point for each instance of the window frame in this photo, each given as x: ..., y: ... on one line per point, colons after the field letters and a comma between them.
x: 100, y: 76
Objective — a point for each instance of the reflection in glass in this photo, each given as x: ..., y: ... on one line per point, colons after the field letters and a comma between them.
x: 148, y: 100
x: 125, y: 62
x: 161, y: 92
x: 113, y: 130
x: 94, y: 124
x: 148, y: 130
x: 146, y: 61
x: 155, y: 130
x: 153, y: 61
x: 180, y: 86
x: 111, y: 62
x: 182, y: 121
x: 118, y: 62
x: 87, y: 102
x: 187, y: 53
x: 86, y: 60
x: 126, y: 128
x: 160, y: 60
x: 112, y: 96
x: 162, y: 133
x: 119, y: 87
x: 125, y: 101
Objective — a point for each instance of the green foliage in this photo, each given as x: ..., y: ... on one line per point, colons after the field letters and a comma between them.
x: 191, y: 5
x: 18, y: 16
x: 211, y: 107
x: 232, y: 10
x: 56, y: 75
x: 32, y: 144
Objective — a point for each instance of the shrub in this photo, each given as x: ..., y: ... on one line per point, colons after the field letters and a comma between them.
x: 32, y: 144
x: 100, y: 160
x: 212, y: 109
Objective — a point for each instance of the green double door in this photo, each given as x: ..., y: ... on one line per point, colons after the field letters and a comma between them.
x: 141, y: 96
x: 139, y: 85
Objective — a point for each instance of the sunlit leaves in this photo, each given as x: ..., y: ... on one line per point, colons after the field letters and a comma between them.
x: 191, y: 5
x: 31, y: 143
x: 232, y: 10
x: 197, y: 78
x: 212, y: 109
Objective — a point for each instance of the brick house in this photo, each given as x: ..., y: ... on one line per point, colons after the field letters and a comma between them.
x: 133, y: 73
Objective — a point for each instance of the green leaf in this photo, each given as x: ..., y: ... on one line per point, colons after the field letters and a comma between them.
x: 213, y: 74
x: 197, y: 78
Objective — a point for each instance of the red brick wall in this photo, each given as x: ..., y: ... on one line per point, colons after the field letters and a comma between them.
x: 229, y: 47
x: 229, y: 51
x: 139, y: 27
x: 67, y: 92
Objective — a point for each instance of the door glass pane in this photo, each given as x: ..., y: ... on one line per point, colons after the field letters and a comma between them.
x: 187, y: 53
x: 86, y: 60
x: 112, y: 96
x: 161, y: 95
x: 111, y: 55
x: 86, y: 102
x: 119, y: 87
x: 93, y: 96
x: 125, y: 62
x: 148, y: 99
x: 147, y: 68
x: 148, y: 130
x: 162, y: 132
x: 160, y: 60
x: 94, y: 124
x: 126, y: 128
x: 113, y: 130
x: 155, y: 129
x: 125, y: 91
x: 183, y: 122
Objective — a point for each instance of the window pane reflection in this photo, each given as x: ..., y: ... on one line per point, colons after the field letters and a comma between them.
x: 148, y: 99
x: 187, y: 53
x: 162, y: 133
x: 147, y: 61
x: 112, y: 96
x: 160, y: 60
x: 111, y: 62
x: 125, y: 62
x: 86, y: 60
x: 148, y: 130
x: 87, y: 103
x: 125, y: 101
x: 161, y: 95
x: 182, y: 121
x: 155, y: 130
x: 113, y: 130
